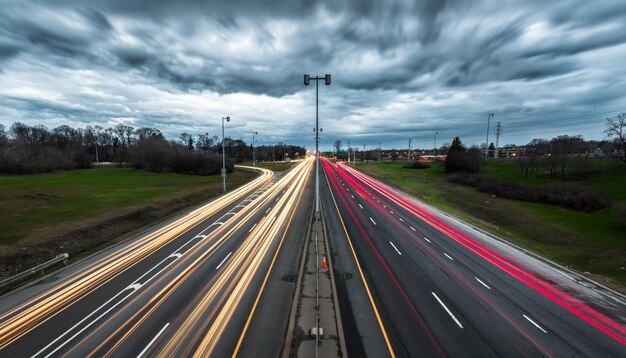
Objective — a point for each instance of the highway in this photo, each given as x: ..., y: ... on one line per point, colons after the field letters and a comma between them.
x: 417, y: 282
x: 189, y: 287
x: 219, y: 281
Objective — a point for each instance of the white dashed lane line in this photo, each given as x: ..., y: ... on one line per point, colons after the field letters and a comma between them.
x: 395, y: 248
x: 373, y: 221
x: 482, y: 283
x: 535, y: 324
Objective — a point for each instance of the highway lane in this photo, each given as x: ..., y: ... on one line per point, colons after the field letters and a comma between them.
x: 184, y: 289
x: 439, y: 288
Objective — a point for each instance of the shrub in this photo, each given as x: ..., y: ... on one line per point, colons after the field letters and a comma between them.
x: 416, y: 165
x: 570, y: 196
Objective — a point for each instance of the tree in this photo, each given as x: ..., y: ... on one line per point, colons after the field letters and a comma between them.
x: 616, y: 130
x: 456, y: 145
x: 337, y: 146
x: 492, y: 150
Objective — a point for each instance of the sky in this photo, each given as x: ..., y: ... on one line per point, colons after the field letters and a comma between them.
x: 400, y: 69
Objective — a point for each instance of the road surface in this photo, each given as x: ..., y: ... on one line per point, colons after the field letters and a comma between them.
x: 187, y: 287
x: 423, y: 284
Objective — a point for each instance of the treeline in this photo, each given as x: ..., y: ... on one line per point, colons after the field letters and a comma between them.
x: 28, y: 149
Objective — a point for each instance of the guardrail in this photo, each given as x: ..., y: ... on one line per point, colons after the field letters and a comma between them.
x: 21, y: 275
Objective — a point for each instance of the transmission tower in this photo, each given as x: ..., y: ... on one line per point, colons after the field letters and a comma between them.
x: 498, y: 133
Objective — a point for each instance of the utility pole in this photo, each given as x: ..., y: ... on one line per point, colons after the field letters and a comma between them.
x: 379, y: 145
x: 317, y: 129
x: 253, y: 156
x: 227, y: 118
x: 498, y: 133
x: 487, y: 142
x: 435, y: 147
x: 408, y: 154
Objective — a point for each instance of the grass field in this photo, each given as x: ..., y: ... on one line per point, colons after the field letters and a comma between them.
x: 31, y: 203
x: 275, y: 166
x: 588, y: 242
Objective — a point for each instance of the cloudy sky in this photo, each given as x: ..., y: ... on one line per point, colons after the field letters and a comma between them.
x: 401, y: 69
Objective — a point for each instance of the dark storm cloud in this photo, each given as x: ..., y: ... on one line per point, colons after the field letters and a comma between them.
x: 415, y: 61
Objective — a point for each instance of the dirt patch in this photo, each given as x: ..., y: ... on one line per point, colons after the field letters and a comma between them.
x: 88, y: 235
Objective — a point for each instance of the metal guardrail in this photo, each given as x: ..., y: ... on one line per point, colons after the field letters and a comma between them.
x: 60, y: 257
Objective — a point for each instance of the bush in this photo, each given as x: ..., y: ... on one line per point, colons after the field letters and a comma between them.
x: 416, y: 165
x: 464, y: 160
x: 570, y: 196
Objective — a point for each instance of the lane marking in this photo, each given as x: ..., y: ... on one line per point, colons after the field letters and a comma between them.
x: 482, y: 283
x: 447, y: 310
x: 153, y: 340
x: 361, y: 206
x: 394, y: 246
x: 253, y: 227
x: 358, y: 265
x: 352, y: 196
x: 401, y: 219
x: 268, y: 210
x: 391, y: 212
x: 535, y: 324
x: 277, y: 198
x: 448, y: 256
x: 134, y: 287
x: 373, y: 221
x: 384, y: 206
x: 426, y: 239
x: 225, y: 258
x: 176, y: 255
x: 412, y: 228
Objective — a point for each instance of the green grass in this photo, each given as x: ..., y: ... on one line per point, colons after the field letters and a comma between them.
x: 31, y: 203
x: 589, y: 242
x: 275, y: 166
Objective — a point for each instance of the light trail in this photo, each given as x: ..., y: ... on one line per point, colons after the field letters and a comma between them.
x: 588, y: 314
x: 29, y: 315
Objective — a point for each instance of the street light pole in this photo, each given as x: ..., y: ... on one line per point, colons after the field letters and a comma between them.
x: 435, y: 147
x: 487, y: 142
x: 326, y: 79
x: 349, y: 150
x: 227, y: 118
x: 253, y: 160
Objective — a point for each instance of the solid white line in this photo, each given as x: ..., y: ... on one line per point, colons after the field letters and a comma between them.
x: 253, y: 227
x: 448, y: 256
x: 426, y: 239
x: 225, y: 258
x: 394, y: 246
x: 412, y: 228
x: 447, y: 310
x: 536, y: 325
x: 153, y: 340
x: 373, y: 221
x: 482, y: 283
x: 361, y: 206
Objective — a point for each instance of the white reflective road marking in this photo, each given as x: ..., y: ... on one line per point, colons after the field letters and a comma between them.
x: 447, y: 310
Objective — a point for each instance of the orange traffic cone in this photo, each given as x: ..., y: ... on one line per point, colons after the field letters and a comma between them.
x: 324, y: 263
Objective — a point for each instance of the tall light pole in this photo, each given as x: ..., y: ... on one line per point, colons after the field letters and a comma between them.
x: 326, y: 79
x: 253, y: 161
x: 408, y: 154
x: 435, y: 147
x: 227, y: 118
x: 487, y: 142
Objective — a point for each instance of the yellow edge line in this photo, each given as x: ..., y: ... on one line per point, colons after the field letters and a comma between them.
x: 358, y: 264
x: 258, y: 297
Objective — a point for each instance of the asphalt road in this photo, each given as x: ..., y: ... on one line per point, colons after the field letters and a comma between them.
x: 417, y: 282
x: 206, y: 283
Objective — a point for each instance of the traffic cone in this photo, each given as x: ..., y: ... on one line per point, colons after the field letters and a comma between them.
x: 324, y: 263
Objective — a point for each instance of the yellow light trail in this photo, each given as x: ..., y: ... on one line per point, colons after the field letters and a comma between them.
x: 22, y: 319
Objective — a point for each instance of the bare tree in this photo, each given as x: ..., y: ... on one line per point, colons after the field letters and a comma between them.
x: 616, y: 130
x: 337, y: 146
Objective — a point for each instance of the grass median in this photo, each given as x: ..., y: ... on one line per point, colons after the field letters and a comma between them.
x: 80, y: 210
x: 591, y: 243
